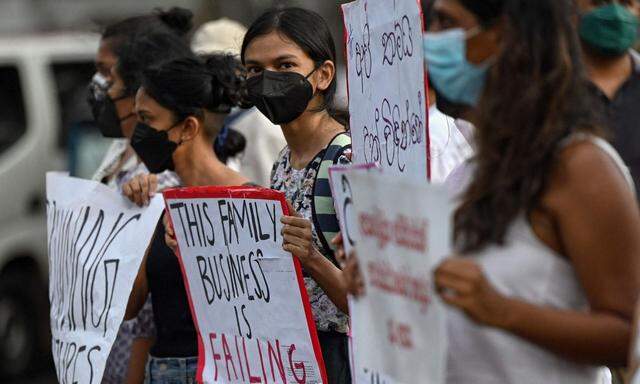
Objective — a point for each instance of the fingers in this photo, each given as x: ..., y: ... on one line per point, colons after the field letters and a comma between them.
x: 168, y: 228
x: 341, y: 257
x: 446, y: 285
x: 337, y: 241
x: 460, y: 268
x: 127, y: 191
x: 301, y: 232
x: 295, y: 221
x: 340, y: 253
x: 153, y: 184
x: 298, y: 242
x: 144, y: 189
x: 171, y: 243
x: 353, y: 276
x: 293, y: 249
x: 141, y: 189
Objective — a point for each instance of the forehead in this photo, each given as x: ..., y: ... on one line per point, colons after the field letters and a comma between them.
x: 144, y: 102
x: 269, y: 47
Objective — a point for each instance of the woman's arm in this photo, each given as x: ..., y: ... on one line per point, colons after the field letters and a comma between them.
x: 598, y: 226
x: 298, y: 240
x: 140, y: 291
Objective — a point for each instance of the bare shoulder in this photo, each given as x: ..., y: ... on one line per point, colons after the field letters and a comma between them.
x: 584, y: 172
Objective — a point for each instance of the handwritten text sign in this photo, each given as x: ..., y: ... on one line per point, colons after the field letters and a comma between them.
x: 97, y: 240
x: 399, y: 326
x: 339, y: 177
x: 387, y: 99
x: 246, y: 293
x: 342, y: 192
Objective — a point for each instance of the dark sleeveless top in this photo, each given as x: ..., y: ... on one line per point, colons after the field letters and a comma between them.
x: 176, y: 334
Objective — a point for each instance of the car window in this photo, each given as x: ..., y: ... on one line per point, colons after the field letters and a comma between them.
x: 77, y: 134
x: 12, y: 115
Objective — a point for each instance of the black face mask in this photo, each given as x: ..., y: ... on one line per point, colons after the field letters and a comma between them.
x: 154, y: 147
x: 103, y: 107
x: 106, y: 116
x: 280, y: 96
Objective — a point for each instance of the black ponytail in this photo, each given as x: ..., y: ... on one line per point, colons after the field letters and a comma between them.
x: 190, y: 86
x: 178, y: 21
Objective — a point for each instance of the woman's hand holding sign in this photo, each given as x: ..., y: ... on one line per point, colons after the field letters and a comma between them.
x: 297, y: 236
x: 462, y: 283
x: 141, y: 188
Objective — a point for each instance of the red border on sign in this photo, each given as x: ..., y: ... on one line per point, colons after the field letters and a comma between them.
x: 240, y: 192
x: 426, y: 94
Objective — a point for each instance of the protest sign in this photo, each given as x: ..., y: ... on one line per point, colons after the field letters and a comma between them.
x: 342, y: 194
x: 96, y: 241
x: 247, y: 294
x: 386, y: 85
x: 399, y: 328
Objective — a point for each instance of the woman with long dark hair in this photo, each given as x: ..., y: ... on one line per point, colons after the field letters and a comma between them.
x: 290, y: 59
x: 547, y: 274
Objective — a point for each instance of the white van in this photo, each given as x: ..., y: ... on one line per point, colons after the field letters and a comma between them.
x: 43, y: 81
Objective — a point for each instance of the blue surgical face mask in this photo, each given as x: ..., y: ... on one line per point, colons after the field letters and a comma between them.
x: 449, y: 70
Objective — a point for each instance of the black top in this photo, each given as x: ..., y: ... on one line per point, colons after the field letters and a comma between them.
x: 175, y: 333
x: 622, y: 116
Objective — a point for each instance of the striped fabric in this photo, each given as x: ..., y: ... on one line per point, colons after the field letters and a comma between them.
x: 324, y: 213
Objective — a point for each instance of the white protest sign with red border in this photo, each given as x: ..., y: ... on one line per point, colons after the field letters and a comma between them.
x: 399, y: 325
x: 388, y: 98
x: 247, y: 294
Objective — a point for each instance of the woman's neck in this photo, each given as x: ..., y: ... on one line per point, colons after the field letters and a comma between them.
x: 308, y: 135
x: 608, y: 73
x: 200, y: 166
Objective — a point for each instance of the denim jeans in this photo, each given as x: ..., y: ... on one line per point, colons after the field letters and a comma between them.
x: 171, y: 370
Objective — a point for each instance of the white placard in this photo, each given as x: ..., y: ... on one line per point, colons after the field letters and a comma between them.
x: 399, y: 328
x: 386, y: 83
x: 247, y: 294
x: 97, y: 240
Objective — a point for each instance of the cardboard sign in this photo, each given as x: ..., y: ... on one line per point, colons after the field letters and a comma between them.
x: 386, y: 85
x: 247, y: 294
x: 97, y: 240
x: 399, y: 328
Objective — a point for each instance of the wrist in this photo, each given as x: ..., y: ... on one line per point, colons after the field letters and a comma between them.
x: 508, y: 314
x: 313, y: 263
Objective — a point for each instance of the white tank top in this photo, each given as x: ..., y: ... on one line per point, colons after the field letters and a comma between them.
x: 528, y: 269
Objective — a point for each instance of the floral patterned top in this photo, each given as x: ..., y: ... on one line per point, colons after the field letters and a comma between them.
x: 297, y: 185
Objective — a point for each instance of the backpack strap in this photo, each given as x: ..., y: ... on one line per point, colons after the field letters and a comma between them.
x: 322, y: 209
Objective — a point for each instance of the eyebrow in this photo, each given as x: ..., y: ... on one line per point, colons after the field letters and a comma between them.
x: 279, y: 58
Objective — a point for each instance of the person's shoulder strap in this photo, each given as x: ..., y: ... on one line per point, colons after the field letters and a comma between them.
x: 323, y: 210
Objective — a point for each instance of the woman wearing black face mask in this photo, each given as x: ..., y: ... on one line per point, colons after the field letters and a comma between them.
x: 290, y: 59
x: 112, y: 105
x: 181, y: 107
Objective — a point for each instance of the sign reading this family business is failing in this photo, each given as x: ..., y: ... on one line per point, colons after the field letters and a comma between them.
x: 246, y: 293
x: 96, y: 240
x: 399, y: 328
x: 386, y: 82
